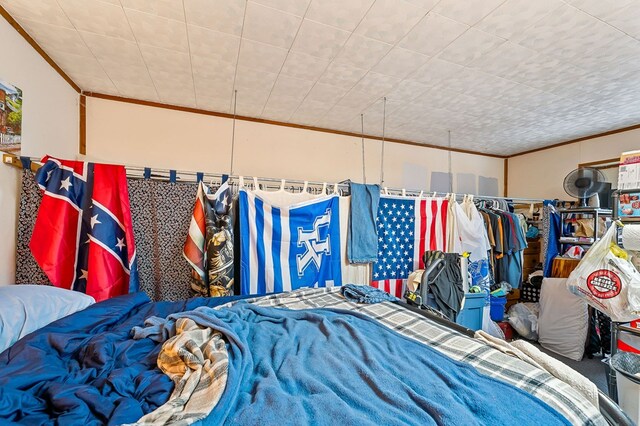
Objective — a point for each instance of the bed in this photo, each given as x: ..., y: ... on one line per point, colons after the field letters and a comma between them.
x: 87, y: 369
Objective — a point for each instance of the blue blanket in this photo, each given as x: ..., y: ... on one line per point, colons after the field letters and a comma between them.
x: 86, y: 370
x: 328, y: 367
x: 289, y: 367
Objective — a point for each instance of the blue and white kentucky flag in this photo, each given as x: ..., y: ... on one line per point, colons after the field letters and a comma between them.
x: 286, y: 248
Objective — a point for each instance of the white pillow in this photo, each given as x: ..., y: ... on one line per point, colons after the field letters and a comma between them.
x: 26, y: 308
x: 563, y: 323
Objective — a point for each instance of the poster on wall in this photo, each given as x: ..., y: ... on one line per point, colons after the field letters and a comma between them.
x: 10, y: 117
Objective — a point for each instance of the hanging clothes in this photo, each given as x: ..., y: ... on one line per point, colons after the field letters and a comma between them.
x: 209, y: 244
x: 551, y: 227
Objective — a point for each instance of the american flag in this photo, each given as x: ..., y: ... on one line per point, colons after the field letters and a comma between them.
x: 407, y: 227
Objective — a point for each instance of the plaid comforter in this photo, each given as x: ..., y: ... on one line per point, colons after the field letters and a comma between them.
x: 485, y: 359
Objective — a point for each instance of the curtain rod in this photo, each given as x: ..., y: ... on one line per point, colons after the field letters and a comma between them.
x: 137, y: 172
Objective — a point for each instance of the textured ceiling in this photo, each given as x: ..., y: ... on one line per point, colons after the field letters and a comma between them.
x: 502, y: 76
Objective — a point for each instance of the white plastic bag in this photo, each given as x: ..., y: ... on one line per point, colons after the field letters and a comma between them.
x: 523, y: 317
x: 607, y: 280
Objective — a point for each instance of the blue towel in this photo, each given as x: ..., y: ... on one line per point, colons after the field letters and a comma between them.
x: 327, y: 367
x: 362, y: 244
x: 365, y: 294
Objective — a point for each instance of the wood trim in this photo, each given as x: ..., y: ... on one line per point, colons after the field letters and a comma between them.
x: 278, y: 123
x: 37, y: 48
x: 82, y: 147
x: 596, y: 163
x: 584, y: 138
x: 506, y: 178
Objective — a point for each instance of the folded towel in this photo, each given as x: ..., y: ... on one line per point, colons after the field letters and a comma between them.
x: 365, y: 294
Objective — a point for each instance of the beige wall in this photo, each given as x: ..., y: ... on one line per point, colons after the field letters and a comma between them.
x: 138, y: 135
x: 540, y: 174
x: 50, y: 125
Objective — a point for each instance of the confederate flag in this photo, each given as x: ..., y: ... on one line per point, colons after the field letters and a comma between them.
x: 83, y: 236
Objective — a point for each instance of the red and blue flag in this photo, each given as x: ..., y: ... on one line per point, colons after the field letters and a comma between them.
x: 83, y: 236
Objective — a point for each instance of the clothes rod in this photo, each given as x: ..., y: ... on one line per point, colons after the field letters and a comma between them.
x: 137, y: 172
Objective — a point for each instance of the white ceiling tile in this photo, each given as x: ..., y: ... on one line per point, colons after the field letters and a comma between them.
x: 127, y: 76
x: 219, y: 86
x: 295, y: 7
x: 362, y: 52
x: 303, y: 66
x: 435, y: 71
x: 466, y: 11
x: 400, y: 62
x: 113, y: 49
x: 136, y: 91
x: 80, y: 64
x: 282, y: 103
x: 158, y: 31
x: 290, y: 87
x: 627, y: 19
x: 357, y: 99
x: 432, y: 34
x: 560, y: 24
x: 389, y: 20
x: 45, y: 11
x: 602, y: 9
x: 90, y: 83
x: 205, y: 66
x: 250, y: 80
x: 262, y: 57
x: 502, y: 60
x: 270, y: 26
x: 326, y: 93
x: 407, y: 90
x: 342, y: 75
x: 166, y: 60
x: 166, y: 8
x: 220, y: 15
x: 182, y: 96
x: 425, y: 4
x: 319, y: 40
x: 470, y: 46
x: 562, y: 74
x: 164, y: 80
x: 52, y: 37
x: 213, y: 103
x: 377, y: 83
x: 213, y: 44
x: 98, y: 17
x: 514, y: 16
x: 339, y: 13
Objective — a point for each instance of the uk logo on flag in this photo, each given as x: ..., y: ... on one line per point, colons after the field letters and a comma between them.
x: 83, y: 235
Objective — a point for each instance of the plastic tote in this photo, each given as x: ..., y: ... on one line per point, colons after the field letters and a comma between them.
x: 627, y: 367
x: 497, y: 308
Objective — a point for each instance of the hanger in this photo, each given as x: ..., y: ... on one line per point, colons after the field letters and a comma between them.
x: 282, y: 182
x: 240, y: 181
x: 255, y: 183
x: 404, y: 192
x: 386, y: 191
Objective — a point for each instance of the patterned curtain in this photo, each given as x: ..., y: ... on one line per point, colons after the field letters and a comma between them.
x: 161, y: 212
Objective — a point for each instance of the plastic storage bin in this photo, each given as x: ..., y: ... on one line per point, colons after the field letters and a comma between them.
x: 627, y: 367
x: 497, y: 308
x: 471, y: 314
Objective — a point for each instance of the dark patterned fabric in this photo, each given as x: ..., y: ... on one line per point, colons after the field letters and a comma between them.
x: 27, y: 269
x: 160, y: 211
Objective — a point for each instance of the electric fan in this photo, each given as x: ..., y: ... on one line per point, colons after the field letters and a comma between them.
x: 584, y: 183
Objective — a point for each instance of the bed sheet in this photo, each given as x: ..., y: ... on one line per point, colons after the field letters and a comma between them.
x: 85, y: 368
